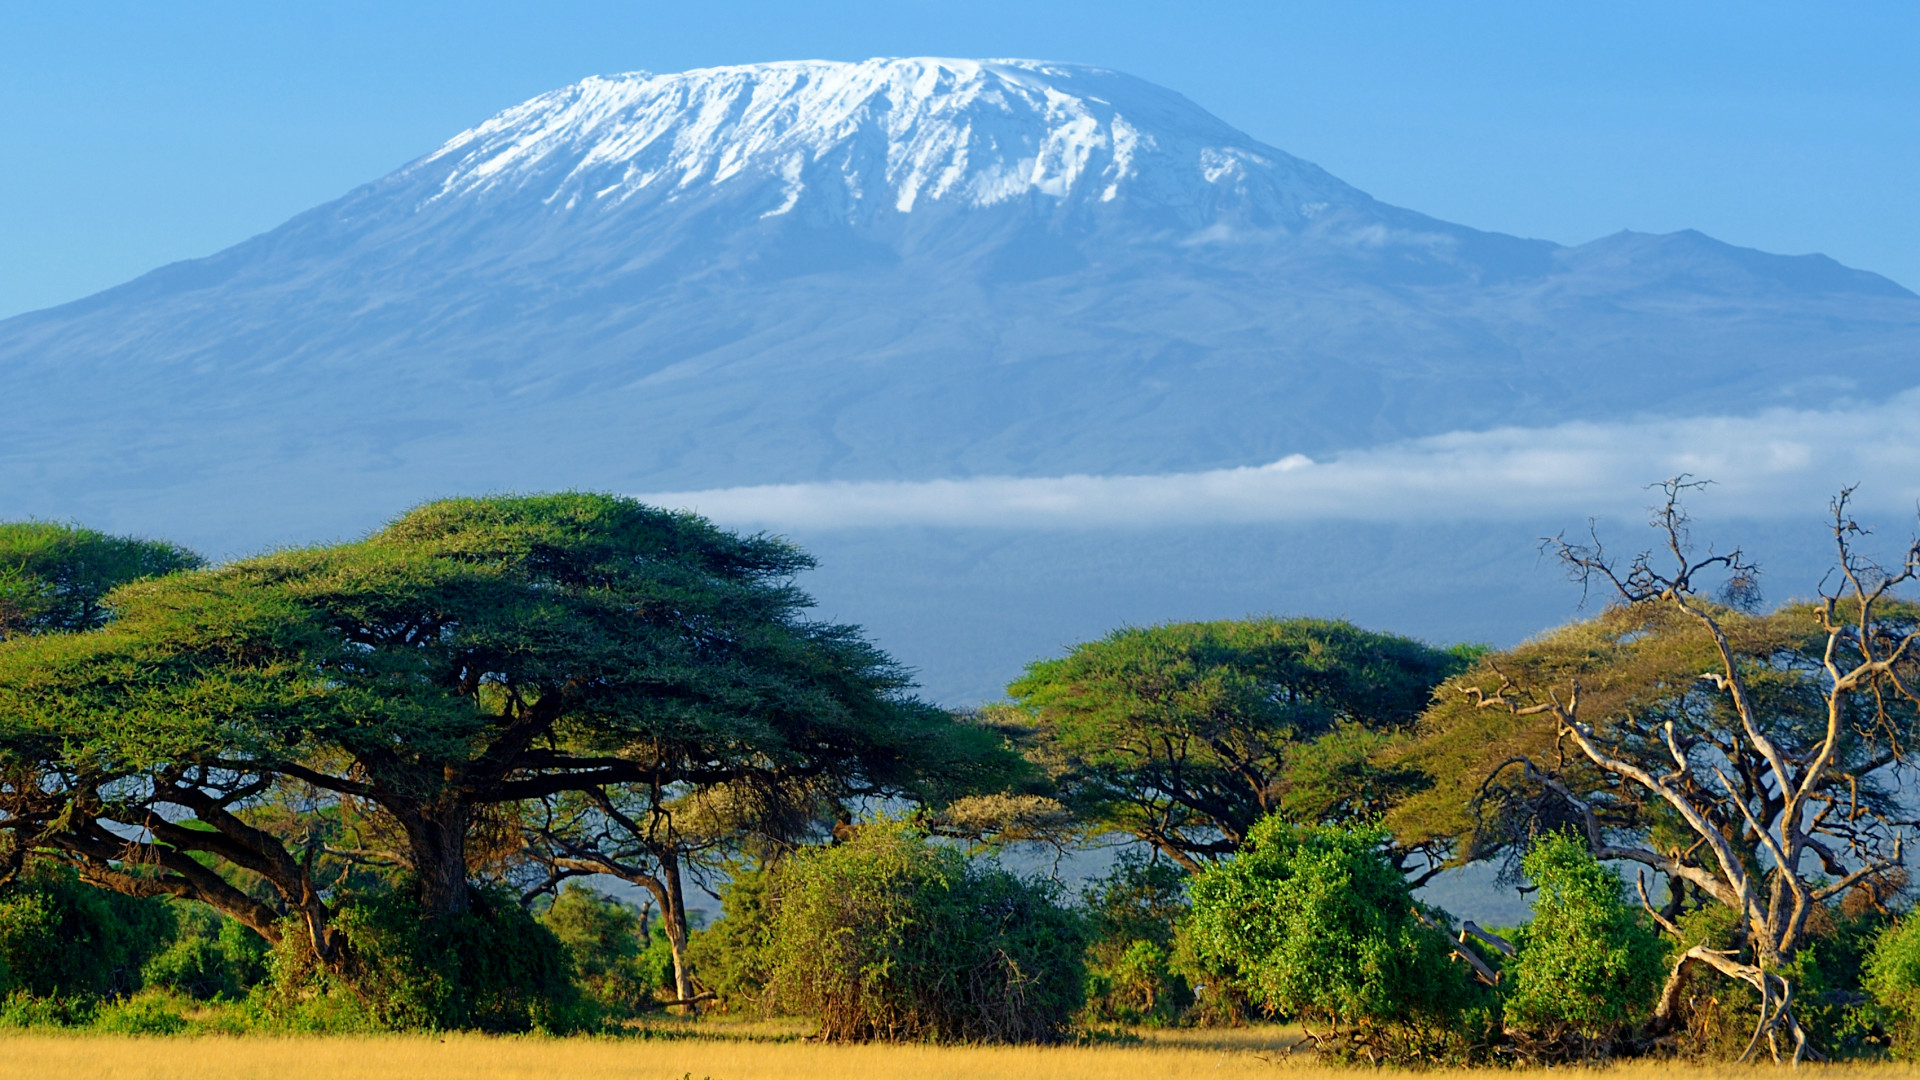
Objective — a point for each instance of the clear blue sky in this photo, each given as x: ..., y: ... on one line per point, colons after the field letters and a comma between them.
x: 135, y: 134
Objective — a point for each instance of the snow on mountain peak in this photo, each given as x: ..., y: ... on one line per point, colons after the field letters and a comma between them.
x: 896, y: 134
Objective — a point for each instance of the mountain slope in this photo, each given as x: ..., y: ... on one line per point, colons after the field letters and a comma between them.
x: 899, y: 268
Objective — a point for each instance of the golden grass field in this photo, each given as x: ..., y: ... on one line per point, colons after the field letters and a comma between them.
x: 741, y: 1055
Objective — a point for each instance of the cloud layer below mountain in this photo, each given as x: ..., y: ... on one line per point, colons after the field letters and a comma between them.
x: 1774, y: 464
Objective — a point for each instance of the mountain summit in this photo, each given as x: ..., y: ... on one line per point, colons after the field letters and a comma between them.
x: 896, y: 269
x: 848, y: 142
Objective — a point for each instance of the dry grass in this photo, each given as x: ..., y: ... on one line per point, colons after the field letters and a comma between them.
x: 742, y: 1054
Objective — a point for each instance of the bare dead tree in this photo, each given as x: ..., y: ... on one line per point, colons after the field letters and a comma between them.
x: 1771, y: 795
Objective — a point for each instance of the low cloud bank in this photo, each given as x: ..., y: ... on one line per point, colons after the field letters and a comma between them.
x: 1776, y: 464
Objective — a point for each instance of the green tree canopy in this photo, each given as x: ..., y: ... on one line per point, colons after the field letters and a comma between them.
x: 56, y: 577
x: 474, y: 654
x: 1503, y: 775
x: 1184, y: 735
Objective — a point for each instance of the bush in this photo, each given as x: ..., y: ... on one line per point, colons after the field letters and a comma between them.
x: 1313, y: 923
x: 1132, y: 914
x: 890, y: 937
x: 494, y: 968
x: 143, y: 1014
x: 213, y: 958
x: 1893, y: 980
x: 732, y: 955
x: 196, y: 967
x: 1829, y: 979
x: 23, y: 1010
x: 60, y: 937
x: 602, y: 937
x: 1588, y: 965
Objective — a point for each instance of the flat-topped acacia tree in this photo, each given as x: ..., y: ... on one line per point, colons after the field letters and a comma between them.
x: 475, y: 653
x: 54, y: 580
x: 55, y: 577
x: 1185, y: 735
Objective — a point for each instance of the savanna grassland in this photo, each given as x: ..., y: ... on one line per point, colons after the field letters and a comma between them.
x: 1225, y: 1055
x: 1239, y: 1054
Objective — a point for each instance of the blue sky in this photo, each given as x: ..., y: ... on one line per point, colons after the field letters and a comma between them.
x: 136, y: 134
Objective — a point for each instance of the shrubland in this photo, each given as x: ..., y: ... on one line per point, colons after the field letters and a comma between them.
x: 419, y: 781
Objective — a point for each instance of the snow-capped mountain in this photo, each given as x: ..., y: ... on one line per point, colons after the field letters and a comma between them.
x: 896, y: 269
x: 859, y: 140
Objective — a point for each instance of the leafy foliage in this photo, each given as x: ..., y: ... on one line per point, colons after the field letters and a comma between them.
x: 1132, y: 915
x: 55, y: 578
x: 888, y: 936
x: 211, y: 959
x: 1892, y: 977
x: 491, y: 968
x: 1314, y: 923
x: 1588, y: 964
x: 1184, y: 735
x: 733, y: 954
x: 605, y: 940
x: 1828, y: 977
x: 60, y: 937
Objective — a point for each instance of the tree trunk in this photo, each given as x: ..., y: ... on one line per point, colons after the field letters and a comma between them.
x: 673, y: 919
x: 1776, y: 1001
x: 437, y: 843
x: 669, y: 893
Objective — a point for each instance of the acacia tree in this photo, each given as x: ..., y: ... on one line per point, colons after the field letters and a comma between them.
x: 1749, y: 762
x: 54, y: 578
x: 654, y: 835
x: 59, y: 797
x: 475, y: 654
x: 1185, y: 735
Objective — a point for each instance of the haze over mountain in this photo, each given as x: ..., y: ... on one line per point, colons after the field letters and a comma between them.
x: 896, y: 270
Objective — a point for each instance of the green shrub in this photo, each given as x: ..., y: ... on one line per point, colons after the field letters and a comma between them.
x: 1892, y: 978
x: 60, y: 937
x: 212, y: 957
x: 1313, y: 923
x: 654, y: 965
x: 602, y: 937
x: 1219, y: 1000
x: 143, y: 1014
x: 1588, y: 966
x: 22, y: 1010
x: 1132, y: 914
x: 1829, y: 977
x: 732, y: 955
x: 245, y: 952
x: 494, y: 968
x: 196, y: 967
x: 888, y: 936
x: 302, y: 995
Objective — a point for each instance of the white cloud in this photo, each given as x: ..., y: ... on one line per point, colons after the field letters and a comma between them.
x: 1776, y: 464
